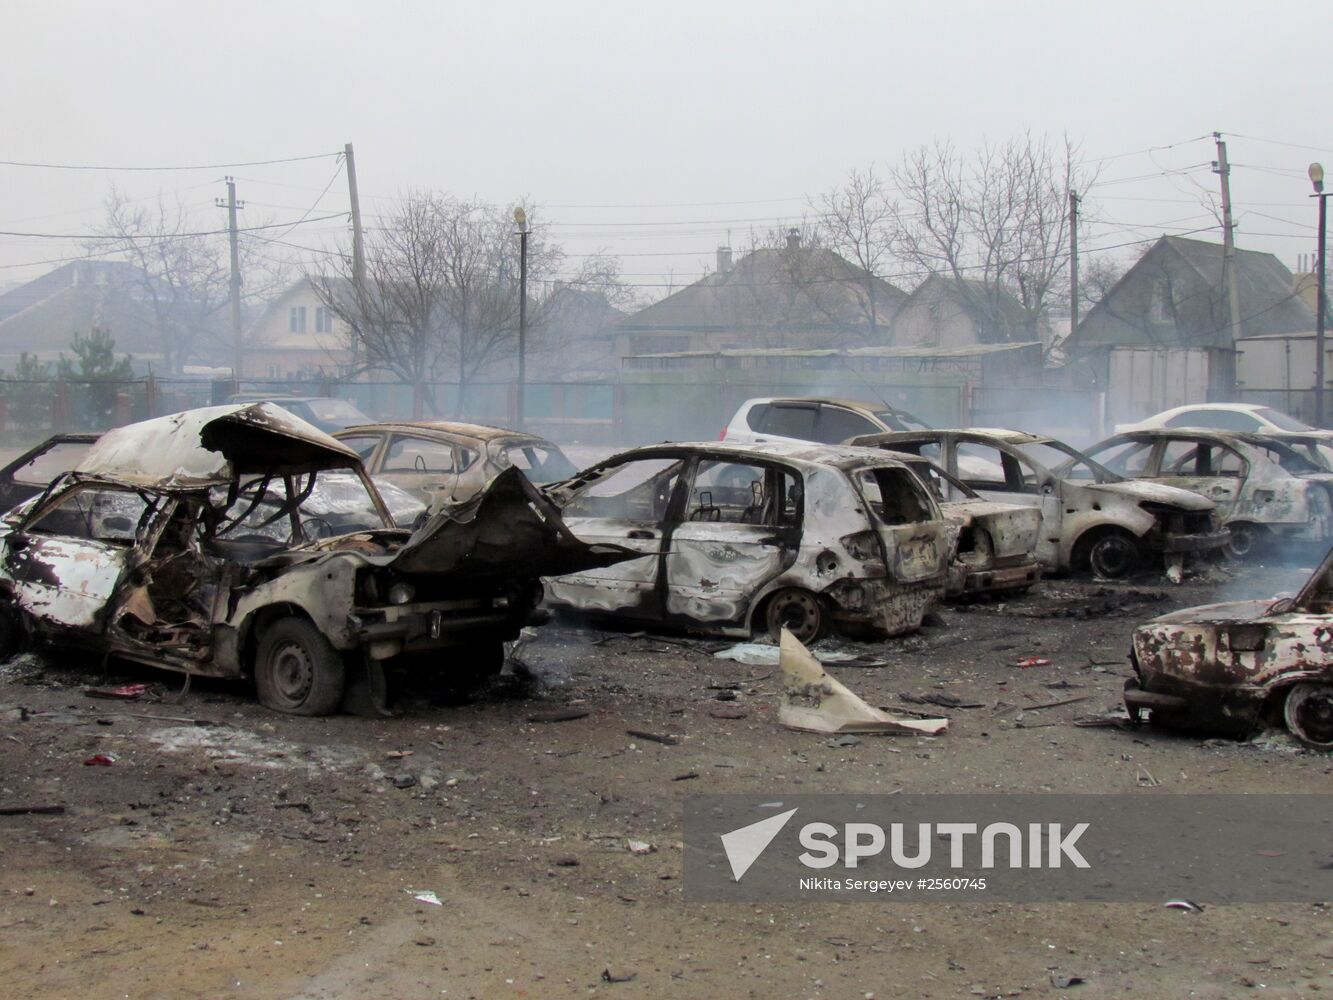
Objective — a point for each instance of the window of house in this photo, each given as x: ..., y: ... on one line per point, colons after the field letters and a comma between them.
x: 296, y: 319
x: 323, y: 319
x: 1160, y: 307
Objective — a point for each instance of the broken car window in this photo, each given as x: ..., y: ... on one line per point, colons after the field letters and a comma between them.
x: 1128, y: 458
x: 96, y: 513
x: 636, y: 491
x: 539, y: 464
x: 414, y: 454
x: 43, y: 468
x: 735, y: 493
x: 363, y: 445
x: 894, y: 495
x: 981, y: 466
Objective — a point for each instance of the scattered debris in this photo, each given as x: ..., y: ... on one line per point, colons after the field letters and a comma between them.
x: 32, y: 810
x: 812, y: 701
x: 1056, y: 704
x: 640, y: 847
x: 1146, y: 779
x: 424, y: 896
x: 1033, y: 661
x: 101, y: 760
x: 941, y: 699
x: 1064, y: 982
x: 687, y: 776
x: 843, y: 742
x: 609, y: 977
x: 563, y: 715
x: 1183, y: 904
x: 728, y: 713
x: 765, y: 654
x: 669, y: 741
x: 126, y: 692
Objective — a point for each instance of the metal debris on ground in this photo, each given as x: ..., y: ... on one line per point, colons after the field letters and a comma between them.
x: 640, y: 847
x: 763, y: 654
x: 941, y: 699
x: 125, y: 692
x: 812, y: 701
x: 101, y: 760
x: 669, y: 741
x: 1183, y: 904
x: 564, y: 715
x: 609, y: 977
x: 425, y: 896
x: 1033, y: 661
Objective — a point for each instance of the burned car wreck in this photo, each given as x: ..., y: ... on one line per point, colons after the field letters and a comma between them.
x: 737, y: 538
x: 1230, y: 667
x: 1091, y: 518
x: 187, y: 542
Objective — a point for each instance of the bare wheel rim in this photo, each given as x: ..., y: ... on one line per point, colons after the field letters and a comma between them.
x: 1113, y: 556
x: 1308, y: 714
x: 1244, y: 540
x: 796, y: 611
x: 292, y: 671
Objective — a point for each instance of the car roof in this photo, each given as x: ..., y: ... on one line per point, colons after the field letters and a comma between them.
x: 211, y: 445
x: 995, y: 433
x: 481, y: 432
x: 860, y: 405
x: 840, y: 455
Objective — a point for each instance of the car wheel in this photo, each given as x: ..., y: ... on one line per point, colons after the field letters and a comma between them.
x: 1114, y: 555
x: 1246, y: 541
x: 297, y: 670
x: 1308, y: 713
x: 798, y: 611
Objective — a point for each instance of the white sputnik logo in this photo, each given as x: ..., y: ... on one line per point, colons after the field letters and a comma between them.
x: 744, y: 845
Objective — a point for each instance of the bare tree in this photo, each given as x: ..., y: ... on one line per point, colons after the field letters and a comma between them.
x: 441, y: 292
x: 855, y: 222
x: 996, y: 221
x: 179, y: 283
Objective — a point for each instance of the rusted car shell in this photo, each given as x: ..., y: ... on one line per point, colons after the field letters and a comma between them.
x: 868, y: 576
x: 1165, y: 521
x: 468, y: 575
x: 1286, y: 505
x: 997, y: 542
x: 1226, y: 667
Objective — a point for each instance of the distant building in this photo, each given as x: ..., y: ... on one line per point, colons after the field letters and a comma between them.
x: 42, y: 316
x: 792, y: 296
x: 296, y: 336
x: 948, y: 312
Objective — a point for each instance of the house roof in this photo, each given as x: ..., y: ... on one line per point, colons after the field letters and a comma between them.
x: 801, y: 285
x: 1269, y: 300
x: 998, y: 316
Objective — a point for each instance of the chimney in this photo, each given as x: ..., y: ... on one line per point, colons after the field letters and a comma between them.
x: 793, y: 239
x: 723, y: 260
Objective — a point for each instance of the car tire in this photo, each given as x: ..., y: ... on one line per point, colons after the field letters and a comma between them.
x: 798, y: 611
x: 297, y: 670
x: 1246, y: 541
x: 1114, y: 555
x: 1308, y: 714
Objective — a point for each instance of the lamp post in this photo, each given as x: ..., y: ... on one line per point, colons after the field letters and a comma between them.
x: 1317, y: 179
x: 521, y: 220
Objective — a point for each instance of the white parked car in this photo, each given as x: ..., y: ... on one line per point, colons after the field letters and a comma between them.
x: 1251, y: 417
x: 799, y: 419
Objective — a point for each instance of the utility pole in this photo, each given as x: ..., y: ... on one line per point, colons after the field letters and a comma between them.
x: 1223, y: 169
x: 358, y: 247
x: 1073, y: 261
x: 521, y: 220
x: 231, y: 205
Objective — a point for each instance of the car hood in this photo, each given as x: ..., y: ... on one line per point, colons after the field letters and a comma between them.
x: 509, y: 531
x: 212, y: 446
x: 1139, y: 491
x: 1217, y: 614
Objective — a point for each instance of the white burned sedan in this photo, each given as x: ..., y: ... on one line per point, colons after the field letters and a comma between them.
x: 738, y: 538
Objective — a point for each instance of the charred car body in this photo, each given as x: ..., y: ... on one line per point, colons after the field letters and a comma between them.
x: 735, y: 538
x: 1229, y: 667
x: 186, y: 542
x: 1091, y: 517
x: 443, y: 462
x: 996, y: 550
x: 1266, y: 492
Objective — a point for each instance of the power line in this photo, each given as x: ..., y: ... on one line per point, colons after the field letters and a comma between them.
x: 201, y: 166
x: 154, y: 236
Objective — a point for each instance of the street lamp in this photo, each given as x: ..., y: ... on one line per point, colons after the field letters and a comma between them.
x: 1317, y: 179
x: 521, y: 220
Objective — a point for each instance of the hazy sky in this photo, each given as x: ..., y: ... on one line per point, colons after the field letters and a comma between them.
x: 689, y: 120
